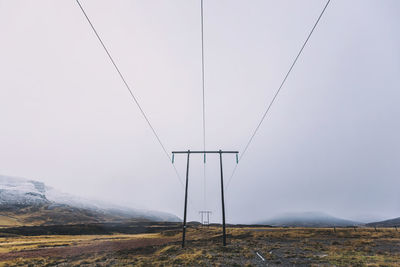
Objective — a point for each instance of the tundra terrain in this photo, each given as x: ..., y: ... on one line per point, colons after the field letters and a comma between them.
x: 160, y: 245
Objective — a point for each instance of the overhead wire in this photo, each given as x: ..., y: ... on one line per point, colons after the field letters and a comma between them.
x: 129, y: 89
x: 204, y: 105
x: 277, y: 92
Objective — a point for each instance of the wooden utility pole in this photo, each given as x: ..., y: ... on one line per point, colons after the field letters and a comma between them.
x: 186, y: 193
x: 220, y: 152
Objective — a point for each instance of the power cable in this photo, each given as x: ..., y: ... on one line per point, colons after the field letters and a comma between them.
x: 277, y: 92
x: 204, y: 105
x: 129, y: 89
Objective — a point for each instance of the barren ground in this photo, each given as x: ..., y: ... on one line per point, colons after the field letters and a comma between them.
x: 277, y: 246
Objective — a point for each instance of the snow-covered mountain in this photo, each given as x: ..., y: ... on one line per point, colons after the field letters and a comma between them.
x: 20, y: 192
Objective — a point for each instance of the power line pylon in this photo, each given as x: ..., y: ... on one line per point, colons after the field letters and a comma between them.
x: 220, y: 152
x: 205, y: 217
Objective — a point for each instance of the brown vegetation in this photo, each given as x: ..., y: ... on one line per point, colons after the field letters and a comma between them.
x: 278, y: 246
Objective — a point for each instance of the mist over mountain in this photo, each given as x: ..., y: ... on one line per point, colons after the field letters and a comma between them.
x: 395, y: 222
x: 308, y: 219
x: 34, y: 202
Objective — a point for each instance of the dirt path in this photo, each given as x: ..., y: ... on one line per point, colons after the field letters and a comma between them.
x: 70, y: 251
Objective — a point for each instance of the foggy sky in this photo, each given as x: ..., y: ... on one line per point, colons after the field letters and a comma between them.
x: 330, y: 142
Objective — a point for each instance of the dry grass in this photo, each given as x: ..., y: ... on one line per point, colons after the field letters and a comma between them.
x: 279, y: 246
x: 7, y: 221
x: 10, y: 244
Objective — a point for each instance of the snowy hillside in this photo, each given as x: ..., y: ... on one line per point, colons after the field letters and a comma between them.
x: 20, y: 192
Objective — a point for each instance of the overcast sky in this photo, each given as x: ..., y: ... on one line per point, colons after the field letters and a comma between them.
x: 330, y: 142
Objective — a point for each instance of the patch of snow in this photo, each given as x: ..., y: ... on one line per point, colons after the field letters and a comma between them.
x: 21, y: 191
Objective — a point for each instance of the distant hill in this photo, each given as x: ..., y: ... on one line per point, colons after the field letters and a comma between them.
x: 308, y: 219
x: 29, y: 202
x: 387, y: 223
